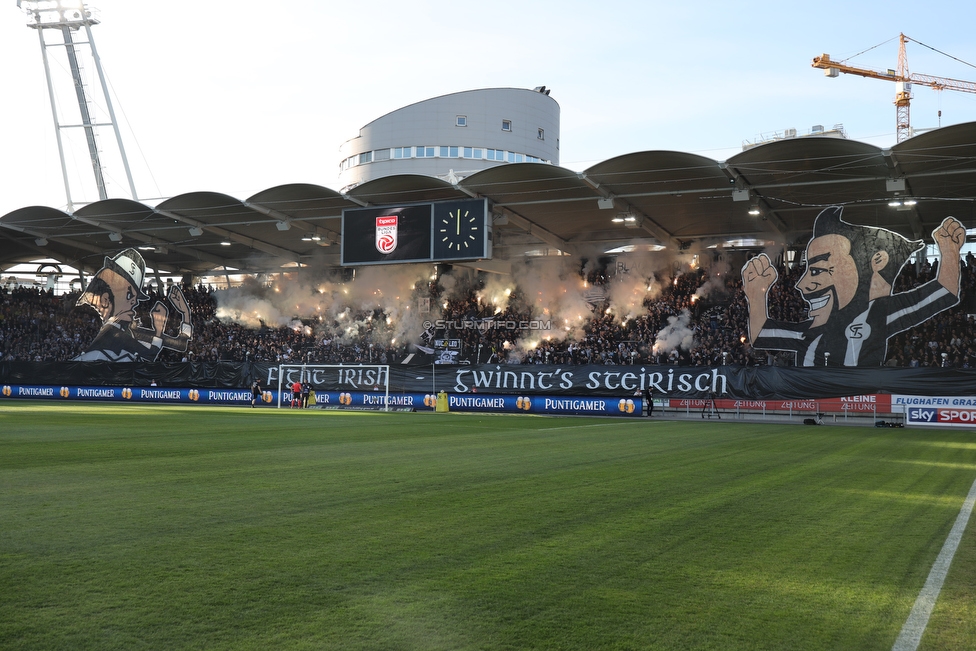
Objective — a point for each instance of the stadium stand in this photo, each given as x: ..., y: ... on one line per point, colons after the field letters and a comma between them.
x: 37, y: 325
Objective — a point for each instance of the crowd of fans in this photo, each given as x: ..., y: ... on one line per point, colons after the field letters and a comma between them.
x: 680, y: 325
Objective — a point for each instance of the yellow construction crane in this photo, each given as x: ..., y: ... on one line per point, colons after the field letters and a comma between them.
x: 903, y: 83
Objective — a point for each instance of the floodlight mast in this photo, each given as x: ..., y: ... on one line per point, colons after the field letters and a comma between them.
x: 67, y: 17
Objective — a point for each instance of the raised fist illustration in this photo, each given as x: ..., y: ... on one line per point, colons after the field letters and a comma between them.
x: 950, y: 236
x: 758, y: 275
x: 179, y: 302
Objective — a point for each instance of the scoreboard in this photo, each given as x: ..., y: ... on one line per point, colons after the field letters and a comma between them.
x: 441, y: 231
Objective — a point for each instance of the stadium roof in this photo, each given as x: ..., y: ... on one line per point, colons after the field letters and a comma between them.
x: 674, y: 198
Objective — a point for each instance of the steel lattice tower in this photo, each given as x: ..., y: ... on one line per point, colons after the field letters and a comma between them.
x: 59, y: 23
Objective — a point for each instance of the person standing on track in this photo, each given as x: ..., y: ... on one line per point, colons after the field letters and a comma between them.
x: 255, y: 392
x: 296, y: 394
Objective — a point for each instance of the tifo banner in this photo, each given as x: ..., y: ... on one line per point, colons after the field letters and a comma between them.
x: 732, y: 382
x: 113, y: 293
x: 664, y: 382
x: 848, y: 285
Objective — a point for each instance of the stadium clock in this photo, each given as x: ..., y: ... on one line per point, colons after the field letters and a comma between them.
x: 460, y: 230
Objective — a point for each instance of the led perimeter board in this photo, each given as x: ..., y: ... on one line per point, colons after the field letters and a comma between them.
x: 424, y: 232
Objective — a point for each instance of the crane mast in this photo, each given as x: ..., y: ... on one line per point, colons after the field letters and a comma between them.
x: 903, y: 83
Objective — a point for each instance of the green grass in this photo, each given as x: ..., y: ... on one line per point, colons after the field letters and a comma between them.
x: 132, y: 527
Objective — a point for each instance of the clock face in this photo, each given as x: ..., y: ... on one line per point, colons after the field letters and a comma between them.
x: 460, y: 232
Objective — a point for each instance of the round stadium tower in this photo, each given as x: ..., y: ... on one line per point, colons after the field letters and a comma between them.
x: 454, y: 136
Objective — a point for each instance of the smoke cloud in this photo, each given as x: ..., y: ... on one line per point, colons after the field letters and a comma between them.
x: 677, y: 334
x: 392, y: 301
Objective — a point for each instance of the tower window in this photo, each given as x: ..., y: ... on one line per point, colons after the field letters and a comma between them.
x: 506, y: 125
x: 462, y: 121
x: 542, y: 134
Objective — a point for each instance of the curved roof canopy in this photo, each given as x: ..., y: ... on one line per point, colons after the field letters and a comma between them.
x: 672, y: 199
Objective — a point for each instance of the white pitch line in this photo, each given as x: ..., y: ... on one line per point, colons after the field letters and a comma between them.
x: 918, y: 619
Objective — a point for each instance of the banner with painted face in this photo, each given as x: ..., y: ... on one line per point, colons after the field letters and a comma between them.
x: 114, y: 292
x: 850, y: 273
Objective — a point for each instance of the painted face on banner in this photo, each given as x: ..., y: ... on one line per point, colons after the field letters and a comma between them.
x: 123, y: 299
x: 830, y: 281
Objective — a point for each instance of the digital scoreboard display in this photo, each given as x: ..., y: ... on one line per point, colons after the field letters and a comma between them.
x: 390, y: 234
x: 423, y: 232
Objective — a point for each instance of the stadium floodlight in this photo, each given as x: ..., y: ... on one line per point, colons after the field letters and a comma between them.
x: 633, y: 221
x: 196, y: 231
x: 115, y: 236
x: 895, y: 185
x: 902, y: 204
x: 45, y: 13
x: 41, y: 241
x: 282, y: 225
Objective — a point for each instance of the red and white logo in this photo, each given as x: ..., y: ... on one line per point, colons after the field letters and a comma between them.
x: 386, y: 233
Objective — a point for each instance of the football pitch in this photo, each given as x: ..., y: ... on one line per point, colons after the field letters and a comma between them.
x: 190, y: 527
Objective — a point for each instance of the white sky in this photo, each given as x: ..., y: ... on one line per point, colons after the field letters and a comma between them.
x: 237, y: 97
